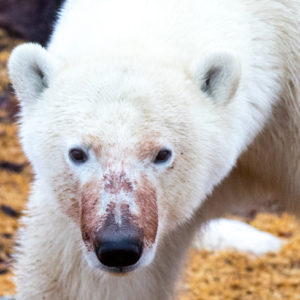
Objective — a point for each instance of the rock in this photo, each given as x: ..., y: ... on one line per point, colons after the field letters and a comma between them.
x: 12, y: 167
x: 29, y: 19
x: 9, y: 211
x: 9, y: 107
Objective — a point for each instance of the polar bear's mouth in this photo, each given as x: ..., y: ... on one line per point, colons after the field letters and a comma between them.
x: 120, y: 270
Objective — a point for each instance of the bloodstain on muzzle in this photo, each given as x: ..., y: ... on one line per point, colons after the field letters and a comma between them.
x: 119, y: 244
x: 146, y: 200
x: 141, y: 225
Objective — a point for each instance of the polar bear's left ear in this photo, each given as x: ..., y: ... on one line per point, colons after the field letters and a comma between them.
x: 218, y: 75
x: 30, y: 67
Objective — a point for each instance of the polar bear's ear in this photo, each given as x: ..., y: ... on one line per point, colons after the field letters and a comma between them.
x: 30, y: 66
x: 218, y: 75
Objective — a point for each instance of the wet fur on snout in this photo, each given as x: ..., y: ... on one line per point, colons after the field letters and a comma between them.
x: 143, y: 224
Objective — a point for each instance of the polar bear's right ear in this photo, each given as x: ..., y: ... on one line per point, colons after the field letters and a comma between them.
x: 30, y: 67
x: 218, y: 75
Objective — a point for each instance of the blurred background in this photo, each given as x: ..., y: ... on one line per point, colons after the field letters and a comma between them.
x: 209, y: 275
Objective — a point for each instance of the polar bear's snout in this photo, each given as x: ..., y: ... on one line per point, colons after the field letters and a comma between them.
x: 119, y: 221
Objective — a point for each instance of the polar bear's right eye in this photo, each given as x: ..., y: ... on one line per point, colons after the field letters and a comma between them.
x: 78, y: 155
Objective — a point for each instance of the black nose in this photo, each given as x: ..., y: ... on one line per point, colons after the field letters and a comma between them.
x: 122, y: 253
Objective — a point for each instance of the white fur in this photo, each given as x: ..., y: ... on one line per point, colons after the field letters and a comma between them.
x: 223, y: 234
x: 119, y: 74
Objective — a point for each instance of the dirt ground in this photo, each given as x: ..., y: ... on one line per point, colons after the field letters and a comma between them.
x: 208, y: 276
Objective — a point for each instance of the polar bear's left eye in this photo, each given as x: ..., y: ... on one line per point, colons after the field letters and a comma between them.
x: 163, y: 156
x: 78, y: 155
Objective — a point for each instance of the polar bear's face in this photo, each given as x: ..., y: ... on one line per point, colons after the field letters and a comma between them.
x: 128, y: 151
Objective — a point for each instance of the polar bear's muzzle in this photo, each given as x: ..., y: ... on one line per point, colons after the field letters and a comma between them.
x: 119, y: 221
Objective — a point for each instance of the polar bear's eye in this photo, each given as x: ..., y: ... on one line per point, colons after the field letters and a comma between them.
x: 78, y: 155
x: 163, y: 156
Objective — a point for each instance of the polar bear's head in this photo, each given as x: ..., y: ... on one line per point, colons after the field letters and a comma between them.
x: 127, y: 149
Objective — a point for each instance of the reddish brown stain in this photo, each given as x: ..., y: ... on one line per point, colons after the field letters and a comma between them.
x: 146, y: 199
x: 114, y: 183
x: 70, y: 207
x: 72, y: 210
x: 94, y: 142
x: 90, y: 203
x: 98, y: 150
x: 109, y: 229
x: 145, y: 196
x: 67, y: 195
x: 147, y: 148
x: 171, y: 167
x: 143, y: 226
x: 130, y: 220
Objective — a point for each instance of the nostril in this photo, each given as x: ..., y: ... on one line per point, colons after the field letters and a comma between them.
x: 123, y: 253
x: 118, y: 258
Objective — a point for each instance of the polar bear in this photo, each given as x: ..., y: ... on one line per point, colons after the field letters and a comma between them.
x: 142, y: 121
